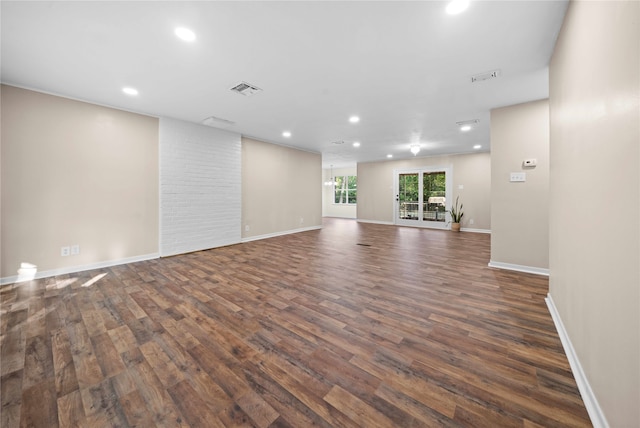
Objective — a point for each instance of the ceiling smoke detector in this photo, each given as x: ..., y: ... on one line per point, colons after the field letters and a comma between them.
x: 246, y: 89
x: 485, y: 76
x: 217, y: 122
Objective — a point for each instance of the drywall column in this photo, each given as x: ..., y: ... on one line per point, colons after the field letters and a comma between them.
x: 595, y: 202
x: 520, y: 209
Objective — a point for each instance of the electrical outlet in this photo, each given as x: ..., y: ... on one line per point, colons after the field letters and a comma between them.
x: 65, y: 251
x: 471, y: 221
x: 247, y: 228
x: 301, y: 220
x: 75, y: 250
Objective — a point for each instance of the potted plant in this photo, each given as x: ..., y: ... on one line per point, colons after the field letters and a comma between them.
x: 456, y: 216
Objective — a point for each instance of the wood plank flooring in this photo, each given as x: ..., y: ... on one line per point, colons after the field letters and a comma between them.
x: 353, y: 325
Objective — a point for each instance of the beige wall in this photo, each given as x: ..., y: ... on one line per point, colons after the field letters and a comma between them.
x: 75, y: 173
x: 330, y: 209
x: 595, y: 198
x: 281, y: 189
x: 376, y: 194
x: 520, y: 210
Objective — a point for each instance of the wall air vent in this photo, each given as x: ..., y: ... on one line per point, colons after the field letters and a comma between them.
x: 338, y: 142
x: 485, y: 76
x: 246, y: 89
x: 217, y: 122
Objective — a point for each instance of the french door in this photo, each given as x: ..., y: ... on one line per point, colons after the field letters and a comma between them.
x: 422, y: 197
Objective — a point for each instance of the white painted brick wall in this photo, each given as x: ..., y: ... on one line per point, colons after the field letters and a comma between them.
x: 200, y: 187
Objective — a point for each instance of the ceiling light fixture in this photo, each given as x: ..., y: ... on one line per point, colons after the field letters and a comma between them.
x: 467, y: 125
x: 286, y: 134
x: 185, y: 34
x: 457, y: 6
x: 356, y: 144
x: 389, y: 156
x: 354, y: 119
x: 477, y: 146
x: 415, y: 148
x: 130, y: 91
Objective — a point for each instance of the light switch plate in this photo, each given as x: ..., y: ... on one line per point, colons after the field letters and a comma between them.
x: 517, y: 177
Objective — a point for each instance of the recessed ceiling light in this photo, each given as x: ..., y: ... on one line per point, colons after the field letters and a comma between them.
x: 356, y: 144
x: 130, y: 91
x: 389, y: 156
x: 465, y: 128
x: 457, y: 6
x: 354, y: 119
x: 477, y: 146
x: 185, y: 34
x: 286, y: 134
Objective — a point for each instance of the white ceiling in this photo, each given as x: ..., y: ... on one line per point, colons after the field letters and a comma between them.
x: 403, y: 67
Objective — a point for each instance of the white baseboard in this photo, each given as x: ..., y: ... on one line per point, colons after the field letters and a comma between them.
x: 519, y: 268
x: 286, y: 232
x: 596, y: 414
x: 469, y: 229
x: 74, y: 269
x: 388, y: 223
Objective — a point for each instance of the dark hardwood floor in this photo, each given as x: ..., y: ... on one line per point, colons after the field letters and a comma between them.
x: 353, y: 325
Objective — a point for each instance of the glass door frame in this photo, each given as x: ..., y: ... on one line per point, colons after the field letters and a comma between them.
x: 448, y: 170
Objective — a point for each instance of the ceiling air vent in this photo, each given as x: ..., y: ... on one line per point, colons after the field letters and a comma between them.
x: 468, y: 122
x: 246, y: 89
x: 485, y: 76
x: 217, y: 122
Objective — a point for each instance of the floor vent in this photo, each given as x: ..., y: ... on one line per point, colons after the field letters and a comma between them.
x: 364, y: 245
x: 246, y: 89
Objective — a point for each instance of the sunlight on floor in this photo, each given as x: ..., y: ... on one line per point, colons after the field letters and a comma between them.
x: 94, y: 280
x: 27, y: 272
x: 59, y: 284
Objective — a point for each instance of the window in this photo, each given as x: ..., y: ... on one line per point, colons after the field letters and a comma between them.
x: 344, y: 189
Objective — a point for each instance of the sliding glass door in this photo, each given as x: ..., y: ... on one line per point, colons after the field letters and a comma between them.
x: 408, y: 197
x: 422, y: 197
x: 434, y: 191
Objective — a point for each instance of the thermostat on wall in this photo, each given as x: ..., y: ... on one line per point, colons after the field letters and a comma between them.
x: 529, y: 163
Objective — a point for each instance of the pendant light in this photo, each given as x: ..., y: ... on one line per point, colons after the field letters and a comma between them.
x: 331, y: 182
